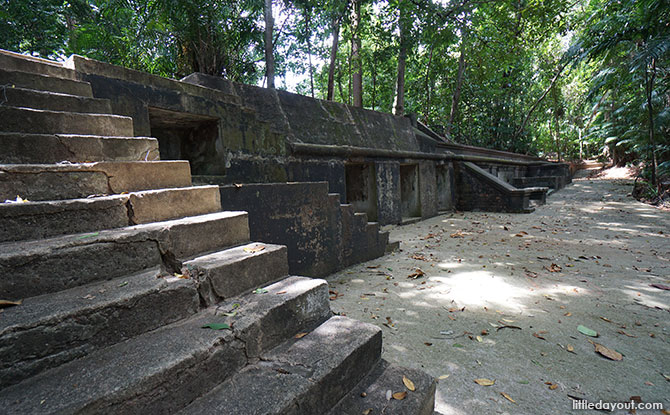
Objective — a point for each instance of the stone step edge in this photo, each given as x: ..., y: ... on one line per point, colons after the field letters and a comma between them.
x: 304, y: 375
x: 33, y: 220
x: 371, y: 393
x: 66, y: 261
x: 167, y: 368
x: 49, y: 94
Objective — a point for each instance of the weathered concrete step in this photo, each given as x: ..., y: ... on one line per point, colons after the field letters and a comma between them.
x: 54, y: 101
x: 163, y: 370
x: 38, y: 220
x: 29, y: 120
x: 228, y: 273
x: 42, y: 82
x: 19, y: 148
x: 39, y: 267
x: 306, y: 376
x: 72, y: 181
x: 370, y: 393
x: 49, y: 330
x: 16, y: 62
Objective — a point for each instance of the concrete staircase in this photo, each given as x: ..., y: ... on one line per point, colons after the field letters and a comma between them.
x: 135, y: 294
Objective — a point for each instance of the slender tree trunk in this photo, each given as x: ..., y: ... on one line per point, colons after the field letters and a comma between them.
x: 557, y: 136
x: 399, y: 108
x: 357, y: 67
x: 269, y: 49
x: 373, y: 71
x: 427, y: 84
x: 539, y: 100
x: 333, y: 58
x: 457, y: 90
x: 649, y: 86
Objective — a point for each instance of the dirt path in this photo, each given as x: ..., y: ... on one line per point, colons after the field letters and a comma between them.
x: 503, y: 295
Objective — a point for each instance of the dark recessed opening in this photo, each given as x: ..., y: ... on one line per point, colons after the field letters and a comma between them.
x: 362, y: 188
x: 185, y: 136
x: 410, y: 203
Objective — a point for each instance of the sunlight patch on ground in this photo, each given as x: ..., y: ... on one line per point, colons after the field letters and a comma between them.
x: 480, y: 288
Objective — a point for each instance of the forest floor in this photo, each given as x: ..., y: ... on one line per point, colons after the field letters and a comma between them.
x: 500, y: 297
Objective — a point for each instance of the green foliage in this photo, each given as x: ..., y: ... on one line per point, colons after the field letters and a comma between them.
x: 514, y: 93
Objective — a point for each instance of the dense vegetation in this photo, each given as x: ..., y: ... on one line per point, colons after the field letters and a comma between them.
x: 566, y: 78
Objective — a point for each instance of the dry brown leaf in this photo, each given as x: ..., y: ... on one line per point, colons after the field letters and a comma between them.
x: 479, y: 339
x: 399, y: 396
x: 568, y: 314
x: 570, y: 348
x: 553, y: 386
x: 254, y: 249
x: 608, y: 353
x: 457, y: 234
x: 300, y: 335
x: 605, y: 319
x: 485, y: 382
x: 408, y: 383
x: 625, y: 334
x: 538, y: 336
x: 418, y: 273
x: 367, y: 411
x: 506, y: 396
x: 9, y: 303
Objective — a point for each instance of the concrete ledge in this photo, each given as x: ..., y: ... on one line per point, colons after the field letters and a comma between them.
x: 54, y: 101
x: 13, y: 61
x: 19, y: 148
x: 71, y: 181
x: 45, y: 82
x: 29, y: 120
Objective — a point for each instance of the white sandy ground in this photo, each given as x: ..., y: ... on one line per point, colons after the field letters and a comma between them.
x: 609, y: 249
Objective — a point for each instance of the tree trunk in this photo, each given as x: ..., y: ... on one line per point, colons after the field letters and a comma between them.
x: 333, y: 59
x: 426, y: 112
x: 357, y: 67
x: 399, y: 108
x: 269, y: 49
x: 308, y: 36
x: 457, y: 90
x: 649, y: 86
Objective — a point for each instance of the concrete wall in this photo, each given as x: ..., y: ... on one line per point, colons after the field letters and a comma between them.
x: 321, y: 235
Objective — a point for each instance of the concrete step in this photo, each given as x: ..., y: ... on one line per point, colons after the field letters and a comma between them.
x: 72, y: 181
x: 19, y: 148
x: 54, y: 101
x: 49, y: 330
x: 29, y: 120
x: 305, y: 376
x: 228, y: 273
x: 370, y: 393
x: 42, y: 82
x: 163, y: 370
x: 38, y: 220
x: 16, y: 62
x: 39, y: 267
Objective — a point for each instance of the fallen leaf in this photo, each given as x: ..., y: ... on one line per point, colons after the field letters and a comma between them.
x: 90, y: 235
x: 605, y: 319
x: 443, y: 377
x: 231, y: 314
x: 608, y: 353
x: 418, y: 273
x: 479, y: 339
x: 457, y: 345
x: 553, y: 386
x: 281, y: 292
x: 553, y: 268
x: 399, y: 396
x: 123, y: 284
x: 300, y: 335
x: 568, y: 314
x: 506, y: 396
x: 428, y: 343
x: 587, y: 331
x: 260, y: 291
x: 538, y: 336
x: 649, y: 383
x: 367, y: 411
x: 485, y: 382
x: 389, y: 394
x: 660, y: 286
x: 457, y: 234
x: 625, y: 334
x: 570, y: 348
x: 253, y: 249
x: 9, y: 303
x: 216, y: 326
x: 408, y: 383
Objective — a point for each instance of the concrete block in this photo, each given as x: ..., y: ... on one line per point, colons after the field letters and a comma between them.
x: 41, y: 82
x: 38, y: 121
x: 50, y: 330
x: 55, y: 101
x: 20, y: 148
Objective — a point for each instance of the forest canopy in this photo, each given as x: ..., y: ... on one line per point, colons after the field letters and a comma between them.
x: 567, y: 79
